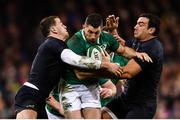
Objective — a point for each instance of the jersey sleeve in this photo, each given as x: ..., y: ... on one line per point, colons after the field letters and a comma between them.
x: 141, y: 63
x: 71, y: 58
x: 132, y: 43
x: 102, y: 81
x: 145, y: 64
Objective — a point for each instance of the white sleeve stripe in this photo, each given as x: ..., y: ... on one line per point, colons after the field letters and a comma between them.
x: 71, y: 58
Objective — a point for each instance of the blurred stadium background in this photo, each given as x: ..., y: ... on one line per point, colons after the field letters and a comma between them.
x: 20, y: 38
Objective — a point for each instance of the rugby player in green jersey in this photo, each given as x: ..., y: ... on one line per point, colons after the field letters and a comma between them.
x: 83, y: 100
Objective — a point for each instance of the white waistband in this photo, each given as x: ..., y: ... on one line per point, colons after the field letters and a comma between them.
x: 30, y: 85
x: 113, y: 116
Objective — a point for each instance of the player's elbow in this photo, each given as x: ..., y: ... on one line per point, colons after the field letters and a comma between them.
x: 80, y: 76
x: 127, y: 75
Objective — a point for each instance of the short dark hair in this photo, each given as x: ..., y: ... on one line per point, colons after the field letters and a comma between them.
x: 154, y: 21
x: 94, y: 20
x: 46, y: 23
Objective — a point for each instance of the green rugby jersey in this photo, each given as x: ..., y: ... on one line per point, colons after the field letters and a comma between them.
x: 80, y: 45
x: 122, y: 62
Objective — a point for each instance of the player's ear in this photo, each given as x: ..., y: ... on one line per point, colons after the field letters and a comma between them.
x: 84, y: 25
x: 152, y: 30
x: 53, y: 29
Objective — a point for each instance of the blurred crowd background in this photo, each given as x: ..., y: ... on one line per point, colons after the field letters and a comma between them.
x: 20, y: 38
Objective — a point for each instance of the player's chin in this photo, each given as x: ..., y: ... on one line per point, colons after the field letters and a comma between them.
x: 93, y: 40
x: 137, y: 36
x: 67, y: 35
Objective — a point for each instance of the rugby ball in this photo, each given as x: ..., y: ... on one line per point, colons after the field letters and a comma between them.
x: 95, y: 52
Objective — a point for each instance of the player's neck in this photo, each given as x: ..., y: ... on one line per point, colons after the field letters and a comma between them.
x: 58, y: 37
x: 148, y: 38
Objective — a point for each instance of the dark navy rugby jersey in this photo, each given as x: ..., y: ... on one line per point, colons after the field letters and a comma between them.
x: 47, y: 67
x: 143, y: 86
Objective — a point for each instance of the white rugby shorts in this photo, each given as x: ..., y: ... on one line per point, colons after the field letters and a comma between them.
x: 77, y: 97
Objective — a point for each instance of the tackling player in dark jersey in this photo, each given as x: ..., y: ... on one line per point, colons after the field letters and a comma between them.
x: 140, y: 96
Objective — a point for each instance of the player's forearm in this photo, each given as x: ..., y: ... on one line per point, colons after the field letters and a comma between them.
x: 103, y: 73
x: 129, y: 53
x: 128, y: 73
x: 81, y: 75
x: 54, y: 104
x: 126, y: 76
x: 113, y: 32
